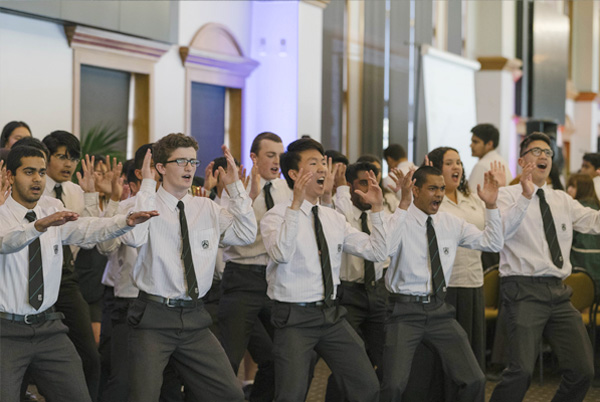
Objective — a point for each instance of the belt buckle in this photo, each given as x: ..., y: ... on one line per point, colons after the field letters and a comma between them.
x: 426, y: 299
x: 26, y: 319
x: 168, y: 303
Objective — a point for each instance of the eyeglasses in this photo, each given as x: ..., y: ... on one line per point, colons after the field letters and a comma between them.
x: 64, y: 158
x: 538, y: 151
x: 182, y: 162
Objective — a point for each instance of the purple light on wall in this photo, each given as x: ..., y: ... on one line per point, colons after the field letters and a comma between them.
x: 271, y: 95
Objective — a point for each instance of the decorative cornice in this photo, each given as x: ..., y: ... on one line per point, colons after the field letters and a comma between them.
x: 318, y: 3
x: 586, y: 97
x: 84, y: 37
x: 499, y: 63
x: 238, y: 65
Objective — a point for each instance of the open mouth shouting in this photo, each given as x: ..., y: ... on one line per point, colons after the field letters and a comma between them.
x: 36, y: 190
x: 187, y: 177
x: 456, y: 177
x: 542, y: 165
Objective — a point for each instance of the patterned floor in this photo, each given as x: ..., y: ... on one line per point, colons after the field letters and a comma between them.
x: 537, y: 392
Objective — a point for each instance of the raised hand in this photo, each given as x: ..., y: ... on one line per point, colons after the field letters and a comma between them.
x: 4, y: 184
x: 254, y: 183
x: 210, y: 178
x: 300, y: 188
x: 116, y: 180
x: 489, y: 192
x: 427, y: 162
x: 147, y: 170
x: 56, y: 219
x: 86, y: 181
x: 527, y: 180
x: 498, y: 171
x: 406, y: 185
x: 243, y: 176
x: 340, y: 176
x: 231, y: 176
x: 374, y: 195
x: 329, y: 181
x: 140, y: 217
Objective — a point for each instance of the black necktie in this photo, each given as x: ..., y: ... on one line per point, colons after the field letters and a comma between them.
x: 324, y: 255
x: 68, y: 262
x: 437, y: 273
x: 369, y: 265
x: 550, y: 230
x: 186, y: 255
x: 36, y: 275
x: 268, y: 198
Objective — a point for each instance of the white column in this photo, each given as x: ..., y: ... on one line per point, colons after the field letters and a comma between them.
x: 310, y: 74
x: 585, y: 45
x: 585, y: 136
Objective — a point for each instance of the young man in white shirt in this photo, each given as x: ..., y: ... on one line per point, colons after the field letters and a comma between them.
x: 484, y: 141
x: 32, y: 335
x: 590, y: 165
x: 396, y: 158
x: 244, y: 299
x: 65, y: 153
x: 362, y: 291
x: 533, y: 263
x: 174, y: 270
x: 422, y: 257
x: 305, y: 242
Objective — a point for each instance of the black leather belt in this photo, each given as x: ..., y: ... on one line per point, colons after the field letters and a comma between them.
x: 170, y: 302
x: 353, y: 285
x: 30, y: 319
x: 532, y: 279
x: 260, y: 269
x: 399, y: 298
x: 308, y: 304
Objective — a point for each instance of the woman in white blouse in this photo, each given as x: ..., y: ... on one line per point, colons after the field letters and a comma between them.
x: 465, y: 287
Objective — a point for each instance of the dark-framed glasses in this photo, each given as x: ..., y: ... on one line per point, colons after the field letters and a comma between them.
x: 64, y: 158
x: 182, y: 162
x: 538, y: 151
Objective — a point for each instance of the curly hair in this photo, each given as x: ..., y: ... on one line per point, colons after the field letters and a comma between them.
x: 163, y: 148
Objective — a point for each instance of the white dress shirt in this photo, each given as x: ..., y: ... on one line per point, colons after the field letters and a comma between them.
x: 255, y: 253
x: 483, y: 165
x: 597, y: 186
x: 159, y: 268
x: 467, y: 271
x: 17, y: 233
x: 526, y: 250
x: 121, y: 257
x: 294, y: 272
x: 353, y: 267
x: 409, y: 272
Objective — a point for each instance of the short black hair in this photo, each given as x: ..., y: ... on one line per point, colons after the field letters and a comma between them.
x: 353, y: 169
x: 593, y: 158
x: 267, y: 135
x: 394, y: 151
x: 535, y: 136
x: 128, y: 164
x: 486, y: 133
x: 369, y: 158
x: 337, y: 157
x: 32, y: 142
x: 221, y: 161
x: 290, y: 159
x: 140, y: 154
x: 13, y: 161
x: 131, y: 176
x: 8, y: 130
x: 63, y: 138
x: 420, y: 176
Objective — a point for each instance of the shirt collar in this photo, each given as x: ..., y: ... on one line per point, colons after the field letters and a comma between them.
x: 358, y: 212
x: 545, y: 187
x: 50, y: 183
x: 420, y: 216
x: 19, y: 210
x: 170, y: 199
x: 306, y: 207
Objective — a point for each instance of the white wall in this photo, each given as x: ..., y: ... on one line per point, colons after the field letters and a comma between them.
x: 235, y: 15
x: 36, y: 74
x: 169, y: 95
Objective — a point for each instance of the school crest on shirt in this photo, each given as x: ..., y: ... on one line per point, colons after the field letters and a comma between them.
x: 339, y: 248
x: 55, y: 249
x: 205, y: 244
x: 446, y: 250
x: 563, y: 227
